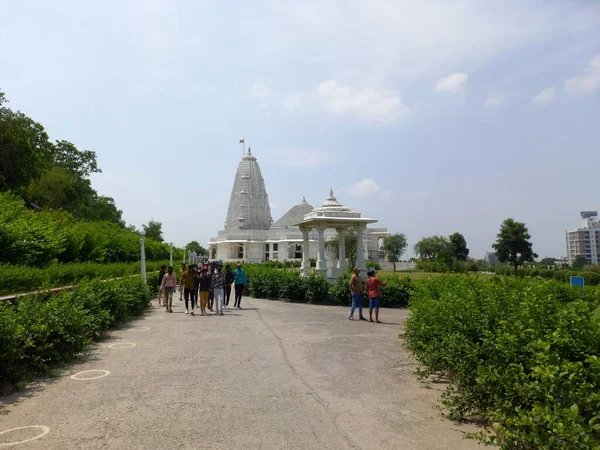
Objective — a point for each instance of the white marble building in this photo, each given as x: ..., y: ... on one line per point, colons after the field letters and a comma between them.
x: 251, y: 235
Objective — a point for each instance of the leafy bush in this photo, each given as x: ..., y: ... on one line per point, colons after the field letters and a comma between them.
x: 16, y: 279
x: 373, y: 265
x: 521, y: 353
x: 40, y: 331
x: 264, y: 282
x: 35, y: 238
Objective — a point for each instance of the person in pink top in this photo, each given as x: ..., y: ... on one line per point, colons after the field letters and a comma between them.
x: 374, y: 295
x: 167, y: 287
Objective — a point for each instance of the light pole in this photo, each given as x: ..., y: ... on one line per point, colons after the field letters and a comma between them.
x: 143, y: 254
x: 171, y: 254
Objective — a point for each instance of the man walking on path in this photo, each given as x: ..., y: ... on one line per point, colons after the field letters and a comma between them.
x: 181, y: 272
x: 218, y: 285
x: 357, y: 295
x: 240, y: 280
x: 168, y: 285
x: 204, y: 285
x: 161, y: 274
x: 188, y: 280
x: 228, y: 283
x: 374, y: 295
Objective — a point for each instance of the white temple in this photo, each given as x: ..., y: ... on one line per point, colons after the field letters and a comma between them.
x: 251, y: 235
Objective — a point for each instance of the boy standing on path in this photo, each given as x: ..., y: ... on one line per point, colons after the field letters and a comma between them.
x: 374, y: 295
x: 357, y: 296
x: 228, y: 283
x: 181, y: 272
x: 161, y: 274
x: 240, y: 280
x: 204, y: 285
x: 167, y: 287
x: 218, y: 285
x: 188, y: 280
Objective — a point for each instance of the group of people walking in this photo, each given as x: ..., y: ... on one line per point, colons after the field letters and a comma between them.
x: 206, y: 287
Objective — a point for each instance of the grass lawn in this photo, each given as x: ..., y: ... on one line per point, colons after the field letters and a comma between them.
x: 414, y: 275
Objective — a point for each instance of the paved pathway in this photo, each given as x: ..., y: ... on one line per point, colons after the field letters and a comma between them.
x: 272, y: 376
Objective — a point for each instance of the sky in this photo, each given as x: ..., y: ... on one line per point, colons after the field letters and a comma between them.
x: 432, y: 116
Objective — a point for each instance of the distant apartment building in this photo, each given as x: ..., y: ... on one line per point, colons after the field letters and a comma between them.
x: 585, y: 241
x: 491, y: 259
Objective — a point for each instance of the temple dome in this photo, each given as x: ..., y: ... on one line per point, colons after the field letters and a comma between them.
x: 332, y: 208
x: 294, y: 215
x: 249, y: 202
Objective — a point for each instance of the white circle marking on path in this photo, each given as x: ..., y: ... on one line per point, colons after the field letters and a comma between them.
x: 138, y: 329
x: 154, y: 318
x: 122, y: 345
x: 44, y: 428
x: 104, y: 373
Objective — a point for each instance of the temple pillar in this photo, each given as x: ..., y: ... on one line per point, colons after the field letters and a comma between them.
x: 305, y: 252
x: 342, y: 263
x: 360, y: 248
x: 321, y: 258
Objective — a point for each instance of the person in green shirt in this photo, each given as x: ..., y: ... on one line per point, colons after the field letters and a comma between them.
x: 240, y: 280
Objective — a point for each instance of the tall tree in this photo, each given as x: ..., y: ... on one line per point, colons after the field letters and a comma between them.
x: 24, y: 148
x: 195, y: 247
x: 350, y: 239
x: 513, y: 244
x: 432, y: 247
x: 80, y: 162
x: 154, y: 230
x: 394, y: 246
x: 458, y: 245
x: 579, y: 262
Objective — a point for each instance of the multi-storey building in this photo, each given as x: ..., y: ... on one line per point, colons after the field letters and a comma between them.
x: 585, y: 241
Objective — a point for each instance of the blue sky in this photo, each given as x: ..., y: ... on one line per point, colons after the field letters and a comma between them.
x: 431, y: 116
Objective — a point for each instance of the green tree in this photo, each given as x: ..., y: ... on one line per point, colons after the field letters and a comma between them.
x: 458, y: 246
x: 394, y: 246
x: 333, y: 246
x: 194, y: 246
x: 24, y: 148
x: 154, y: 230
x: 513, y: 245
x: 547, y: 261
x: 79, y: 162
x: 433, y: 247
x: 579, y: 262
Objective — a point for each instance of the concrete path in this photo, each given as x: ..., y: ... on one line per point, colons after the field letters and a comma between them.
x: 272, y: 376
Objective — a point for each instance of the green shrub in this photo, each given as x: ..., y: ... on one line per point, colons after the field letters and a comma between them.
x: 17, y: 279
x: 522, y: 353
x: 39, y: 331
x: 373, y: 265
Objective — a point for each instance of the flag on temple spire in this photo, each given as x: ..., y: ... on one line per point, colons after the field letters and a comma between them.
x: 242, y: 141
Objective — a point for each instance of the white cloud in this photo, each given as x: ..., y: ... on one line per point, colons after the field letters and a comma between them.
x: 364, y: 188
x: 452, y: 84
x: 421, y: 195
x: 495, y: 101
x: 545, y: 97
x: 587, y: 84
x: 367, y: 104
x: 292, y: 101
x: 259, y: 90
x: 300, y: 158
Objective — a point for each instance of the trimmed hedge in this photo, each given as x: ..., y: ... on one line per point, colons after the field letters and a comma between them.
x: 39, y: 331
x: 17, y: 279
x: 592, y: 277
x: 523, y: 354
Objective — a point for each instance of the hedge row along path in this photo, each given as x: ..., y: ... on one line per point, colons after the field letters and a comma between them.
x: 274, y: 375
